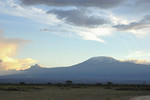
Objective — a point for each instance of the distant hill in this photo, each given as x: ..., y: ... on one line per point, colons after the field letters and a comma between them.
x: 93, y: 70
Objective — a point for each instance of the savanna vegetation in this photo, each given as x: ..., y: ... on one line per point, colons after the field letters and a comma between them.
x: 70, y: 91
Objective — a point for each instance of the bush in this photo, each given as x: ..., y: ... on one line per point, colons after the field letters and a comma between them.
x: 22, y: 83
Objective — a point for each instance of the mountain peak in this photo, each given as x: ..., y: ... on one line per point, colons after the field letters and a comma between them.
x: 102, y: 59
x: 36, y: 66
x: 33, y: 68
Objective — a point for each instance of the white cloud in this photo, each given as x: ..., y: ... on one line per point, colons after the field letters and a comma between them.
x: 138, y: 54
x: 35, y: 14
x: 137, y: 61
x: 39, y: 15
x: 140, y: 33
x: 8, y: 48
x: 95, y: 34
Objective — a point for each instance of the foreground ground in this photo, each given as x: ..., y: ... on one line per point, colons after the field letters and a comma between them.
x: 73, y: 92
x: 141, y: 98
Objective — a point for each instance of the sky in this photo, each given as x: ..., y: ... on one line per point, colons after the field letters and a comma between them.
x: 58, y: 33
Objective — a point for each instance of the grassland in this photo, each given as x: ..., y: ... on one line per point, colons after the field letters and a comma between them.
x: 71, y: 92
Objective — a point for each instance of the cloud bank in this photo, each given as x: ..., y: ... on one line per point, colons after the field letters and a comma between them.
x: 137, y: 61
x: 8, y: 49
x: 85, y: 19
x: 144, y: 23
x: 77, y: 3
x: 78, y: 17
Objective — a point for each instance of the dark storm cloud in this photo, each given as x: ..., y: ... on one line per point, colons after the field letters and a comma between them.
x: 78, y: 17
x: 138, y: 2
x: 144, y: 23
x: 140, y: 6
x: 82, y: 3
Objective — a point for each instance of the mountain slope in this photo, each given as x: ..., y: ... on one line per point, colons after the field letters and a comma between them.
x: 93, y: 69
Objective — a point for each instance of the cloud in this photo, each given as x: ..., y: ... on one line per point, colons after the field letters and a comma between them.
x: 94, y: 20
x: 138, y: 57
x: 131, y: 26
x: 142, y: 5
x: 85, y: 33
x: 77, y: 3
x: 144, y: 23
x: 8, y: 48
x: 95, y: 34
x: 137, y: 61
x: 32, y: 13
x: 79, y: 17
x: 138, y: 54
x: 45, y: 30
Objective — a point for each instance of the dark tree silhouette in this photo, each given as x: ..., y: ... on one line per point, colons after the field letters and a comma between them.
x: 109, y: 83
x: 69, y: 82
x: 22, y: 83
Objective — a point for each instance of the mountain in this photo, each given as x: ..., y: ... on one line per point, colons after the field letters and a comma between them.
x: 96, y: 69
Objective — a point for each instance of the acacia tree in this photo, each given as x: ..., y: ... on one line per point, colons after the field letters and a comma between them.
x: 22, y: 83
x: 69, y: 82
x: 109, y: 83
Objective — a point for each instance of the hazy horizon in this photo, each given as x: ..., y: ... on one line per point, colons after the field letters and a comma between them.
x: 99, y: 61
